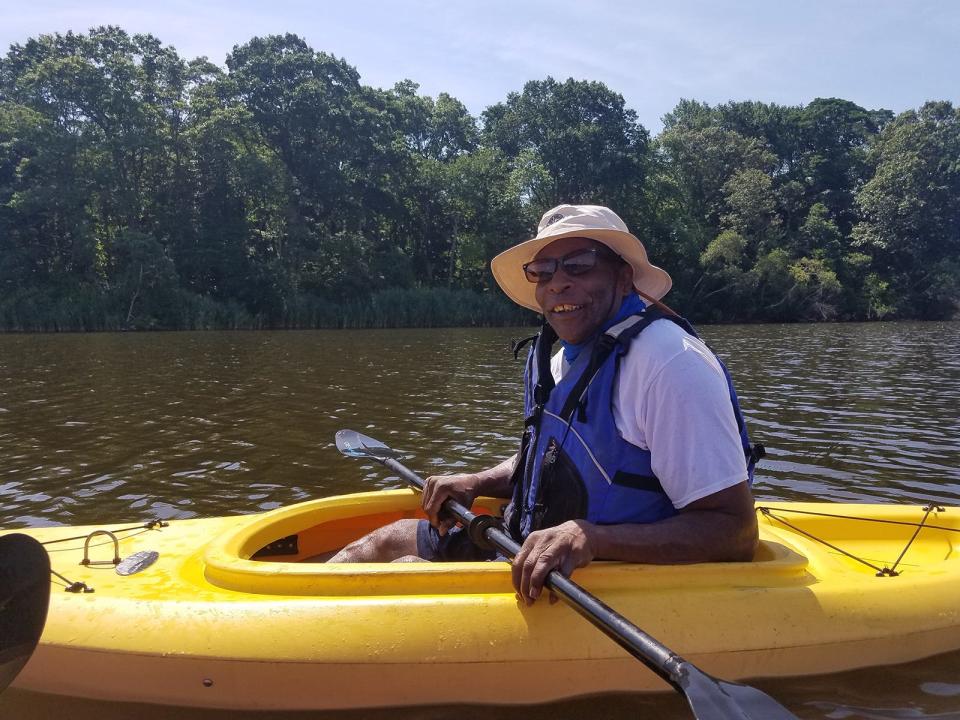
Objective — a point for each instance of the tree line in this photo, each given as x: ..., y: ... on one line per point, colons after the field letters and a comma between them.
x: 139, y: 189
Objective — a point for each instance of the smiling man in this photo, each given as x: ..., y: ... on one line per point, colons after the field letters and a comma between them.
x: 634, y: 446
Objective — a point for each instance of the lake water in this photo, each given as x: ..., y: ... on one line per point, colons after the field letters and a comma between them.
x: 108, y: 427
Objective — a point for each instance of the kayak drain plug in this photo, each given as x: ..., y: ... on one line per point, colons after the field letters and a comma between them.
x: 207, y: 682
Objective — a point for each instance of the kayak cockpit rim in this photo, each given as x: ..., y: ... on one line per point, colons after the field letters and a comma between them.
x: 277, y: 553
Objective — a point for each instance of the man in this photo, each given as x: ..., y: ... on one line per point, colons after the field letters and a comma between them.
x: 634, y: 449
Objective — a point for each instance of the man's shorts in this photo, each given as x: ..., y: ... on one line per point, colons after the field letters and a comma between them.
x: 455, y: 546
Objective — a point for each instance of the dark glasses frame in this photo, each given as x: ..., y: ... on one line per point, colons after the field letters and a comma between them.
x: 542, y: 270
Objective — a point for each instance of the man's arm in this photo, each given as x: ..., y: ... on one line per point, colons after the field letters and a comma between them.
x: 718, y: 527
x: 465, y: 488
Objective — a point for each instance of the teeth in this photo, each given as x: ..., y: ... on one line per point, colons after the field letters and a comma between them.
x: 566, y: 308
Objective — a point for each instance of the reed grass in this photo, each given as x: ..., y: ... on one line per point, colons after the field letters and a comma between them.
x: 85, y: 309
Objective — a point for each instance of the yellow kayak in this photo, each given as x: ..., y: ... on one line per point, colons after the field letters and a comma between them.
x: 239, y: 612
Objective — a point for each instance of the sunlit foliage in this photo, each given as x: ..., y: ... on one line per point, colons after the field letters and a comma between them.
x: 141, y: 190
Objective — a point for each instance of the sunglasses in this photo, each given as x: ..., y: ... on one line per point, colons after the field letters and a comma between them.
x: 575, y: 263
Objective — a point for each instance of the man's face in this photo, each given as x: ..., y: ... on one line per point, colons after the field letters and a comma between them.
x: 576, y: 306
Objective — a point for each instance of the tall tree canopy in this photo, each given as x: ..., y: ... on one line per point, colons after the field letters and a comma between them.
x: 139, y: 189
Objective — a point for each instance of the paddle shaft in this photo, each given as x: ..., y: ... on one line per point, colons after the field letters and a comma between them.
x: 635, y: 641
x: 709, y: 698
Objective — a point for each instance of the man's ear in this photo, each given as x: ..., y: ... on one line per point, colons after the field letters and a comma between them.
x: 625, y: 279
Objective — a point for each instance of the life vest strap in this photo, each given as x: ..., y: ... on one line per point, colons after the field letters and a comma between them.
x: 620, y: 334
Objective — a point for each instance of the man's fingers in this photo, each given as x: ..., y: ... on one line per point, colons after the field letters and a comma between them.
x: 568, y: 565
x: 437, y: 489
x: 432, y: 504
x: 526, y: 571
x: 426, y: 502
x: 522, y: 566
x: 562, y: 548
x: 516, y: 569
x: 546, y: 562
x: 537, y: 557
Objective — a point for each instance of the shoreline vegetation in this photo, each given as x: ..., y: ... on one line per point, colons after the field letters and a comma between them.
x: 140, y: 190
x: 389, y: 308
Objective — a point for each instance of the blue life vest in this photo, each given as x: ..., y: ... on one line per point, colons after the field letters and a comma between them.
x: 573, y: 461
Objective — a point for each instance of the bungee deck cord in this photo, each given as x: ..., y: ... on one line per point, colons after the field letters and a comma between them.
x: 891, y: 571
x: 81, y: 587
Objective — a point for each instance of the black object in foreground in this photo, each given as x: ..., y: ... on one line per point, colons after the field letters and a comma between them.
x: 709, y: 698
x: 24, y: 597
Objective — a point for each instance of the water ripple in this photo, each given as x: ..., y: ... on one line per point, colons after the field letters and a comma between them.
x: 186, y: 424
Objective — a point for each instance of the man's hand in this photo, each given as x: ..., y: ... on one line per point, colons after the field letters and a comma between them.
x: 564, y: 548
x: 438, y: 488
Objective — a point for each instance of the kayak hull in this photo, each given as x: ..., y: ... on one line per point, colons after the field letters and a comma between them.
x: 258, y: 685
x: 234, y: 614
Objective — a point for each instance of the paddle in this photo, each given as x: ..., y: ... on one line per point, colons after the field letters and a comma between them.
x: 709, y: 698
x: 24, y: 596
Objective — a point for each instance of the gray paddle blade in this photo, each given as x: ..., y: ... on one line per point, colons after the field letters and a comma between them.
x: 354, y: 444
x: 712, y: 699
x: 24, y: 597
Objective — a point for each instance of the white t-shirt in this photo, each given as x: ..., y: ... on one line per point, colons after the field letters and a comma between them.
x: 672, y: 399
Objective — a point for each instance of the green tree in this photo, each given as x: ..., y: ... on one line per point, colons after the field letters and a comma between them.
x: 139, y: 189
x: 834, y: 137
x: 911, y: 211
x: 751, y: 206
x: 704, y: 160
x: 588, y: 143
x: 726, y: 282
x: 99, y: 154
x: 819, y: 231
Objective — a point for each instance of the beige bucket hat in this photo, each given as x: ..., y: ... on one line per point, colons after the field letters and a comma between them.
x: 590, y: 221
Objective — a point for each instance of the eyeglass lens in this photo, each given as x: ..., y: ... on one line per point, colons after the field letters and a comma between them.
x: 576, y: 263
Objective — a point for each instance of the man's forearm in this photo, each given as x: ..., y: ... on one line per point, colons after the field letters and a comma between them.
x: 720, y: 528
x: 495, y: 481
x: 688, y: 538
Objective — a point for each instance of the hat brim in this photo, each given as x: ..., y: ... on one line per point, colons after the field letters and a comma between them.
x: 507, y: 267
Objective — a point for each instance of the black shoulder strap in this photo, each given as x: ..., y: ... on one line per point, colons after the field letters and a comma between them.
x: 544, y: 348
x: 517, y: 345
x: 626, y: 331
x: 602, y: 348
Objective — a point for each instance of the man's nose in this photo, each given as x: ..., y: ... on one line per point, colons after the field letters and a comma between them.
x: 559, y: 282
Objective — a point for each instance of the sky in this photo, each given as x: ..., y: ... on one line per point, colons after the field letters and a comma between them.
x: 893, y: 54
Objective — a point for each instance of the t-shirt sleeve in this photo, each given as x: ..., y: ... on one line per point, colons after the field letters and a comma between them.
x: 678, y: 406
